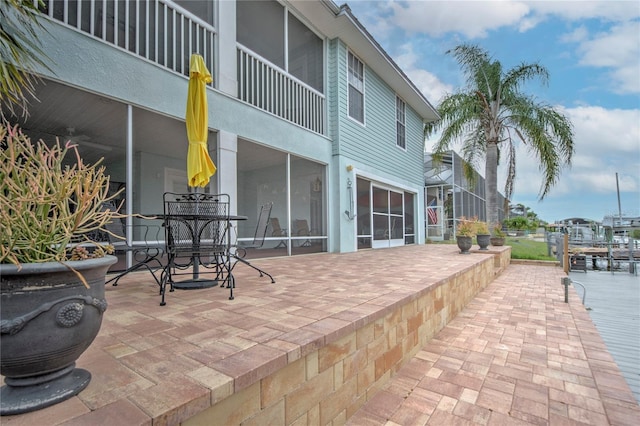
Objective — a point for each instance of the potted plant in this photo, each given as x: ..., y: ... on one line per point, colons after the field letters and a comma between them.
x: 465, y: 231
x: 482, y: 234
x: 52, y: 272
x: 497, y: 239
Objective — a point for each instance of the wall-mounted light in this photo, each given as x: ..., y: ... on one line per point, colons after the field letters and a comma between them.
x: 349, y: 213
x: 349, y: 168
x: 317, y: 185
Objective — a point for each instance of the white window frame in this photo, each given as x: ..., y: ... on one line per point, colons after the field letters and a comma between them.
x: 359, y: 78
x: 401, y: 126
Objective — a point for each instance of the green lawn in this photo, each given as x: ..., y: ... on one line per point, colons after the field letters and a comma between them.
x: 521, y: 248
x: 524, y: 248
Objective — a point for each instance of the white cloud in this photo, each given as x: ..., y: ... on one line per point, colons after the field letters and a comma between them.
x: 607, y: 130
x: 577, y: 10
x: 473, y: 19
x: 619, y: 49
x: 616, y: 47
x: 428, y: 83
x: 374, y: 18
x: 606, y: 142
x: 578, y: 35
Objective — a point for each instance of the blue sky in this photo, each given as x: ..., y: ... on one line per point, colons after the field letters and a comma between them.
x: 592, y: 51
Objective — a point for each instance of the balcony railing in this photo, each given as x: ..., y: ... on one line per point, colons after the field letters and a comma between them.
x: 167, y: 35
x: 268, y: 88
x: 153, y: 29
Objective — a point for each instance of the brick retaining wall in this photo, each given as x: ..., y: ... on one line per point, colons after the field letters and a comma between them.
x: 330, y: 383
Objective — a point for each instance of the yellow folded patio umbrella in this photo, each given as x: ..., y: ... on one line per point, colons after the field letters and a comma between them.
x: 199, y: 165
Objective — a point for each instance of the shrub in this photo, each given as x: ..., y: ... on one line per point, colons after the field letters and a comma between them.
x: 48, y: 207
x: 466, y: 227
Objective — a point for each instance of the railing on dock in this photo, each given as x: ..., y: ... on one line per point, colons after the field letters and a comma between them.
x: 614, y: 255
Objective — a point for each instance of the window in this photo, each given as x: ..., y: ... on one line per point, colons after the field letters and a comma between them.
x: 356, y: 88
x: 400, y: 123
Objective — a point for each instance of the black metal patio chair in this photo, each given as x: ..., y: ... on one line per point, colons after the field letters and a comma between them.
x: 146, y: 247
x: 144, y: 243
x: 257, y: 242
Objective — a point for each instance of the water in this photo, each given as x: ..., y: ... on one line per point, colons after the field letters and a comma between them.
x: 613, y: 300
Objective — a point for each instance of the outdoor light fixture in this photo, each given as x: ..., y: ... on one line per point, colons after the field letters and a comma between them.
x: 317, y: 185
x: 349, y: 213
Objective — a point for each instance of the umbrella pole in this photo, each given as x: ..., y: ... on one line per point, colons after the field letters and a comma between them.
x: 196, y: 258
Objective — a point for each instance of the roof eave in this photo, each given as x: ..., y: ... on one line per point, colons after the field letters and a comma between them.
x: 339, y: 22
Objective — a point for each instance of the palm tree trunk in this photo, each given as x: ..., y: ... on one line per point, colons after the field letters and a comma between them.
x: 491, y: 184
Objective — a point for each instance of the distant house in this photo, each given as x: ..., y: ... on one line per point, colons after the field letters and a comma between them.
x: 621, y: 226
x: 449, y: 196
x: 306, y: 110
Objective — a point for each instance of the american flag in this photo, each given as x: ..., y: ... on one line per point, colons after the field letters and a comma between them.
x: 431, y: 211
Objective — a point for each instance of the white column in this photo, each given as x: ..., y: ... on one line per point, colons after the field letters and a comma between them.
x: 228, y: 166
x: 226, y: 47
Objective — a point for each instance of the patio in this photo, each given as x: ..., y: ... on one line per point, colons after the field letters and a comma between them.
x: 313, y: 347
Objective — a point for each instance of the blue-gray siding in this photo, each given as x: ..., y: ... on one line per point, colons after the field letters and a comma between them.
x: 374, y: 143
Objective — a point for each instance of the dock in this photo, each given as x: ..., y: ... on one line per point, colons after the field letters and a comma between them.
x: 613, y: 303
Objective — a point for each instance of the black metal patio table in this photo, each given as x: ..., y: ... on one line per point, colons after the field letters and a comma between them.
x: 197, y: 229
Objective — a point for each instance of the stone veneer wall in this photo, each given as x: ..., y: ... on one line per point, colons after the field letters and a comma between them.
x: 501, y: 259
x: 329, y: 384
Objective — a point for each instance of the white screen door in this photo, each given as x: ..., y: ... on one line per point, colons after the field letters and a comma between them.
x: 388, y: 218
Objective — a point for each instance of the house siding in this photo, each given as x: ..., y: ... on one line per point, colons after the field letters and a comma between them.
x: 374, y: 143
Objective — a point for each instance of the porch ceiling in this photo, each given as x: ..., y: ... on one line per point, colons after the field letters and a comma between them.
x: 98, y: 123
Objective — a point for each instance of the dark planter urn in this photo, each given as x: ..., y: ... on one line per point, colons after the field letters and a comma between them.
x: 497, y: 241
x: 48, y: 318
x: 483, y: 241
x: 464, y: 243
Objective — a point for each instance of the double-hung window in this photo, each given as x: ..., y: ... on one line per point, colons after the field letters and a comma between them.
x: 400, y: 123
x: 356, y: 88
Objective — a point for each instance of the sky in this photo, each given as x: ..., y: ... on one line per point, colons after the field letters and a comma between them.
x: 592, y: 52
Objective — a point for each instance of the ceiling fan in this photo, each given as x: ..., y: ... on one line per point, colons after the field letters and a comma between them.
x: 83, y: 140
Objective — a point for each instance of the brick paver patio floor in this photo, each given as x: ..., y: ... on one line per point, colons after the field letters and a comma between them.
x: 516, y: 355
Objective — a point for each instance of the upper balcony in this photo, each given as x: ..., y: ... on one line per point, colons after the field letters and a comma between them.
x: 267, y: 87
x: 166, y: 34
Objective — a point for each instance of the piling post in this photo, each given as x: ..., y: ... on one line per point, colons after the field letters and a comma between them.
x: 632, y: 264
x: 565, y: 257
x: 565, y: 282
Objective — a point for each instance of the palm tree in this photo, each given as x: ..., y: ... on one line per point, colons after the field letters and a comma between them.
x: 19, y: 52
x: 518, y: 209
x: 492, y: 114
